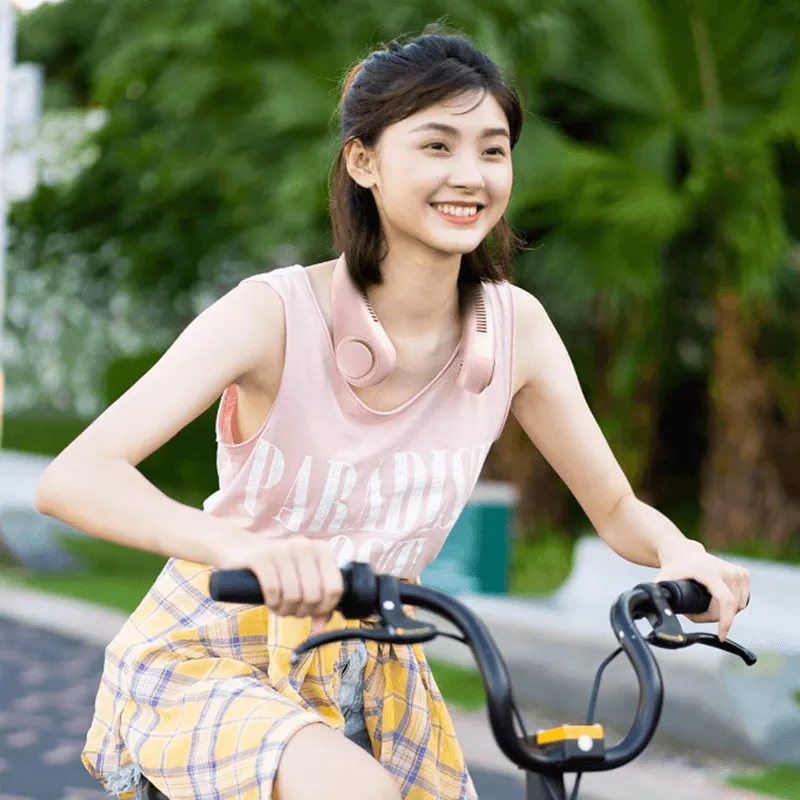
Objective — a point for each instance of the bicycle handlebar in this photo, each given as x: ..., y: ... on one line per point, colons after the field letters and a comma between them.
x: 361, y: 599
x: 241, y: 586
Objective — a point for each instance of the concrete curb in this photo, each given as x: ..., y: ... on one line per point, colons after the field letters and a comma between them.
x: 78, y: 619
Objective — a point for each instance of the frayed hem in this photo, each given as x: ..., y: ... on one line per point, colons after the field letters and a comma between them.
x: 126, y: 783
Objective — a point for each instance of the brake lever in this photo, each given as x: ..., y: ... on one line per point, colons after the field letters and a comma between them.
x: 668, y: 633
x: 708, y: 639
x: 395, y: 626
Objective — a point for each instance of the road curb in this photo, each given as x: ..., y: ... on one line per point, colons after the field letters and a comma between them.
x: 68, y: 616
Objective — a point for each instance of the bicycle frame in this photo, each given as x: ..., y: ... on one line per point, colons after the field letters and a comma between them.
x: 544, y: 787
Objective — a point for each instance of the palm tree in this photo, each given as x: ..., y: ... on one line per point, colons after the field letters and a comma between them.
x: 684, y: 105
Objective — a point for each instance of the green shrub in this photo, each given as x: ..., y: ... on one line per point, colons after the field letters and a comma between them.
x: 185, y: 466
x: 187, y: 463
x: 44, y: 434
x: 541, y: 561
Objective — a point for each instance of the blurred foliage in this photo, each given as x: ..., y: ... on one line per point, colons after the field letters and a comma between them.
x: 780, y: 339
x: 187, y: 462
x: 185, y: 466
x: 541, y: 561
x: 220, y: 129
x: 659, y: 164
x: 63, y: 322
x: 42, y: 433
x: 61, y: 40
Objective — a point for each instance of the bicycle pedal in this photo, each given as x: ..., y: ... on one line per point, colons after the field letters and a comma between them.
x: 573, y: 741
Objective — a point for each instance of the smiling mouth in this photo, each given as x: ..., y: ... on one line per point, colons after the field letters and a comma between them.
x: 459, y: 215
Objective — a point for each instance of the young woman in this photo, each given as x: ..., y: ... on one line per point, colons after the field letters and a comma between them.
x: 335, y: 446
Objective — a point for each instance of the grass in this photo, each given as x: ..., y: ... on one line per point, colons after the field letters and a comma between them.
x: 788, y: 553
x: 119, y: 577
x: 779, y: 781
x: 540, y: 563
x: 459, y: 686
x: 112, y: 575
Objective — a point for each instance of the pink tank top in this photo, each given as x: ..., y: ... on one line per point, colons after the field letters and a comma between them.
x: 384, y: 487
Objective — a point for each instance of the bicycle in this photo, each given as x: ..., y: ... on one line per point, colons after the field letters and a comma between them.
x: 548, y: 755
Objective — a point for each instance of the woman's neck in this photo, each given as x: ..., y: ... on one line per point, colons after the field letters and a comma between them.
x: 418, y: 294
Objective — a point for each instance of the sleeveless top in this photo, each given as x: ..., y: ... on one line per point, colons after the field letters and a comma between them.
x: 215, y: 679
x: 383, y: 487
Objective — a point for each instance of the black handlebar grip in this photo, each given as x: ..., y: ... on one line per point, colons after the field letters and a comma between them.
x: 686, y: 597
x: 359, y: 598
x: 235, y: 586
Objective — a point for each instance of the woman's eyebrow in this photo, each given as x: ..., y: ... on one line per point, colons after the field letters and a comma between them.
x: 443, y: 128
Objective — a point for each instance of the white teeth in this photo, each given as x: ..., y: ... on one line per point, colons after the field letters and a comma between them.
x: 457, y: 211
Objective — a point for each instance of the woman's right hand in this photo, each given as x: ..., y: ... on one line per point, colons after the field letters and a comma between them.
x: 298, y: 576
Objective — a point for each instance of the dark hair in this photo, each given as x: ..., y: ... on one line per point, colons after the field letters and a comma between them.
x: 388, y: 86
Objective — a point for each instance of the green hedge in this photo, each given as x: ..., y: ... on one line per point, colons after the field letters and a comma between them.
x: 46, y: 434
x: 187, y: 462
x: 184, y: 466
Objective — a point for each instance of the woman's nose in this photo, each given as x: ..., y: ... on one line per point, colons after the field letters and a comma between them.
x: 467, y: 173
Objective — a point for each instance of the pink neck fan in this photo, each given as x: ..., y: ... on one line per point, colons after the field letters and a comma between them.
x: 365, y: 354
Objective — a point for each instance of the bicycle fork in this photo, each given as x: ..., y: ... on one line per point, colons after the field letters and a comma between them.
x: 544, y: 787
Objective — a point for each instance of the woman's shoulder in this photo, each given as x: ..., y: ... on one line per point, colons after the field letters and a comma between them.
x: 318, y: 275
x: 528, y: 309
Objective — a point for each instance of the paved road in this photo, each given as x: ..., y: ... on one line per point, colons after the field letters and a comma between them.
x: 47, y: 688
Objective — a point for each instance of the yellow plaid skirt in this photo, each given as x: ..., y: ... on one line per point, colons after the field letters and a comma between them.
x: 201, y: 698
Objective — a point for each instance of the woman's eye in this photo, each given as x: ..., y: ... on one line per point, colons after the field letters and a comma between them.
x: 440, y: 147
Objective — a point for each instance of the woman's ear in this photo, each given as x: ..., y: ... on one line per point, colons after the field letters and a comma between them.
x: 360, y: 163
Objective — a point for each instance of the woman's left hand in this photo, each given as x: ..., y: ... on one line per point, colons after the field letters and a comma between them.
x: 728, y: 584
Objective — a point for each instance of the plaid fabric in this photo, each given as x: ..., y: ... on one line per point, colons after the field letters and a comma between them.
x: 201, y: 698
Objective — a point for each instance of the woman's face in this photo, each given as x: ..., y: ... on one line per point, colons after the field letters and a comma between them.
x: 442, y: 177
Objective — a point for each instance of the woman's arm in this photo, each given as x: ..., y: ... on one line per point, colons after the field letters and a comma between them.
x: 553, y: 411
x: 94, y: 485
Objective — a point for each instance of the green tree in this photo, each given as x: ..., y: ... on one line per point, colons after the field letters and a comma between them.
x: 60, y: 38
x: 220, y: 132
x: 696, y: 99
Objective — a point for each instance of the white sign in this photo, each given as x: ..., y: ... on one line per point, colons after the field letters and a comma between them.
x: 20, y: 175
x: 24, y: 101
